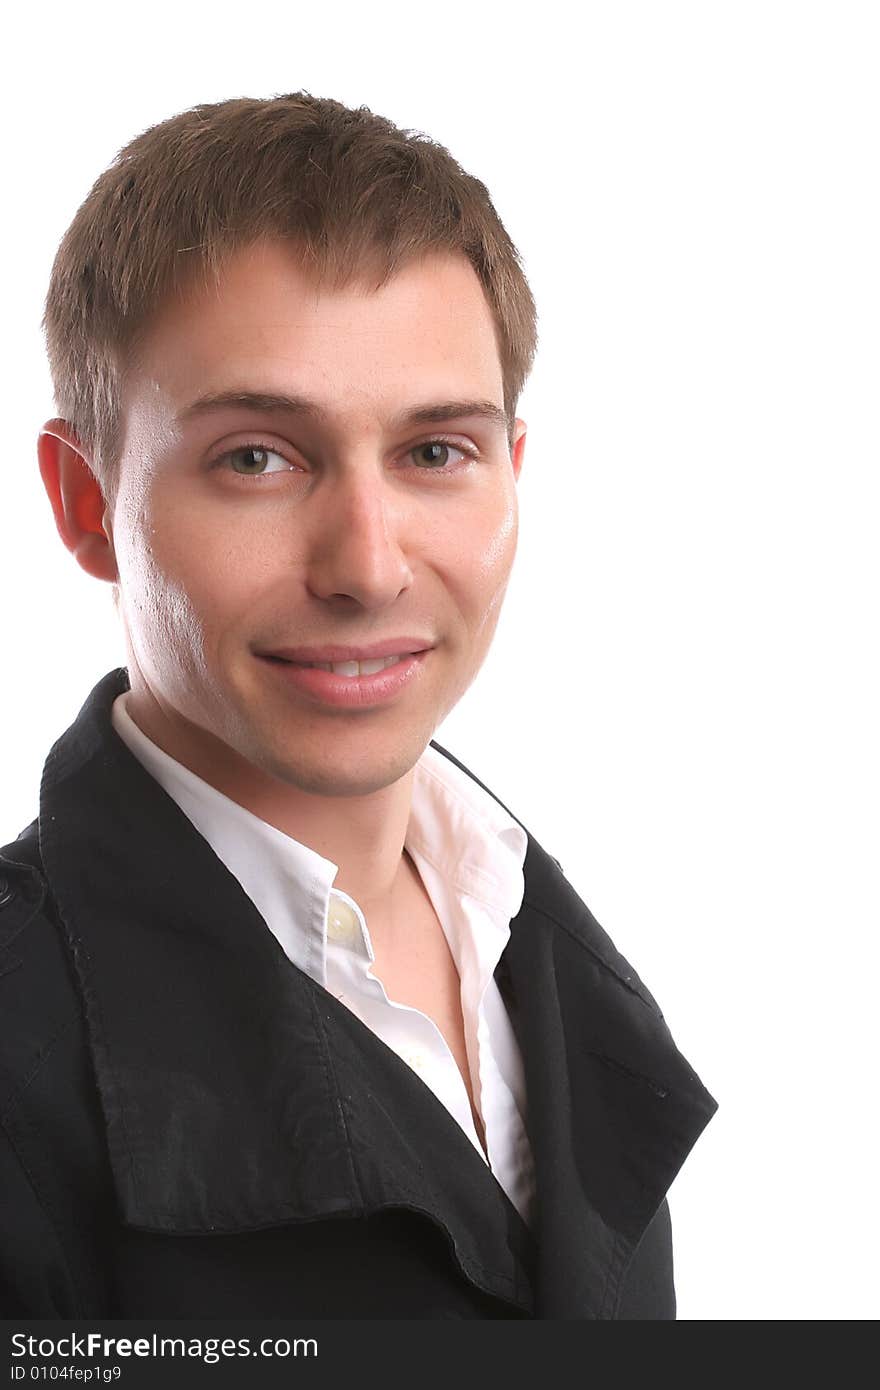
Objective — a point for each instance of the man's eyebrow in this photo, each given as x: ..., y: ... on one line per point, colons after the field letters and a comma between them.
x: 265, y: 402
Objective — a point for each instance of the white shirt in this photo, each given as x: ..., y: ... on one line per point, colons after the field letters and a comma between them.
x: 469, y: 854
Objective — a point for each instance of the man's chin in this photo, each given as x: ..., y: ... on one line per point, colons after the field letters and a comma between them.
x: 333, y: 772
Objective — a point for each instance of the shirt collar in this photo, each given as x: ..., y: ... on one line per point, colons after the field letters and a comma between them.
x: 467, y: 835
x: 475, y: 846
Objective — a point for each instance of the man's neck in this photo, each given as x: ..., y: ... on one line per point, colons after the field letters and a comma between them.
x: 363, y: 835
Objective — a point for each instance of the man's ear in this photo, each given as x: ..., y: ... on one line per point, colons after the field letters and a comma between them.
x: 77, y: 500
x: 517, y: 453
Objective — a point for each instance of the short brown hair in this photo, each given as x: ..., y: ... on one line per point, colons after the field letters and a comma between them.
x: 356, y: 192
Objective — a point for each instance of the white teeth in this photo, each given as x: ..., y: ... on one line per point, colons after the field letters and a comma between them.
x: 355, y: 668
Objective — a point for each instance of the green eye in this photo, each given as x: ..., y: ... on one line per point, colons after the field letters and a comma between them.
x: 255, y: 457
x: 434, y: 454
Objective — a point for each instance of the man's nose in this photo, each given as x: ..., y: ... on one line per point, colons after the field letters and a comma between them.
x: 356, y: 538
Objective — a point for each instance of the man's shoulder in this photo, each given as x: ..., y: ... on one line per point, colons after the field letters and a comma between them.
x: 40, y: 1007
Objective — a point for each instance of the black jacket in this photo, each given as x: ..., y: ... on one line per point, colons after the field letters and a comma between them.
x: 191, y: 1127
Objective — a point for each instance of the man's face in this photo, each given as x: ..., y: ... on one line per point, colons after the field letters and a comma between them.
x: 248, y: 529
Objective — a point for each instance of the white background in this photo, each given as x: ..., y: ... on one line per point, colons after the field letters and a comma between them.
x: 682, y: 699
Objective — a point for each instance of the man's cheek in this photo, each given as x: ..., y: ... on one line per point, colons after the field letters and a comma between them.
x: 499, y: 542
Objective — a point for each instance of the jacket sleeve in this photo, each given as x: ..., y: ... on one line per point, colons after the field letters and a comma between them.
x: 647, y: 1290
x: 33, y: 1268
x: 55, y: 1191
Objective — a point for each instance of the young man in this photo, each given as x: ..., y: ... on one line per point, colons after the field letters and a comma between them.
x: 299, y: 1021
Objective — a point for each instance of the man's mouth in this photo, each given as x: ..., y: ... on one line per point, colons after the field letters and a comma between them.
x: 348, y: 660
x: 348, y: 677
x: 351, y: 668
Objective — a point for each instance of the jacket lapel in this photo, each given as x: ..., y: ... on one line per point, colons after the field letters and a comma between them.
x: 614, y: 1108
x: 239, y: 1094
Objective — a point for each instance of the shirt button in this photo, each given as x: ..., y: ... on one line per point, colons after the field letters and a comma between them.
x: 416, y: 1060
x: 342, y: 923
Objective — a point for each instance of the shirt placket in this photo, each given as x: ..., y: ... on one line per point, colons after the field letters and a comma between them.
x: 407, y: 1031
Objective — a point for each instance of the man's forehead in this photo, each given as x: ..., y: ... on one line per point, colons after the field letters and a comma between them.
x: 278, y: 268
x: 421, y: 349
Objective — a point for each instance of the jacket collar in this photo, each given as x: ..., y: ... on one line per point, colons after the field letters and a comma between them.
x: 456, y: 830
x: 238, y: 1094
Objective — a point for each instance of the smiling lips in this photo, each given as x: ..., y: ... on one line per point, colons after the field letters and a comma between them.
x: 352, y: 676
x: 351, y: 661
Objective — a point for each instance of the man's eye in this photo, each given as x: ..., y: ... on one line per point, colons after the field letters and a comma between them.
x: 255, y: 458
x: 435, y: 453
